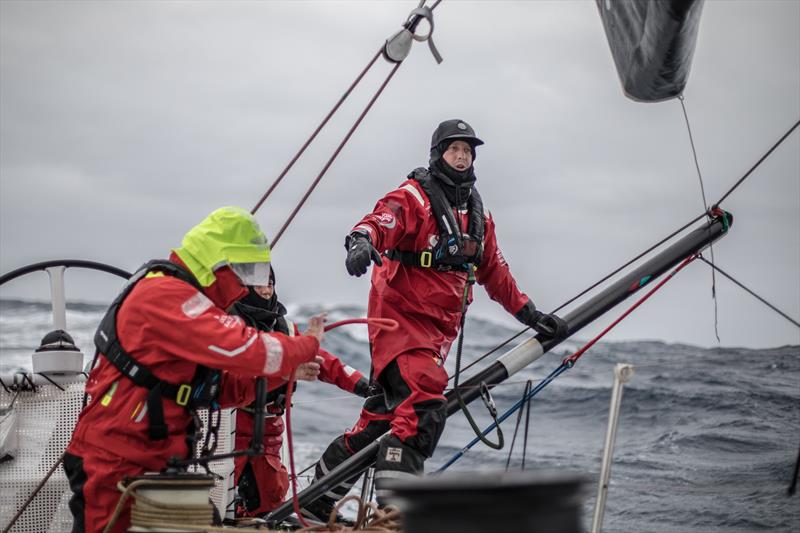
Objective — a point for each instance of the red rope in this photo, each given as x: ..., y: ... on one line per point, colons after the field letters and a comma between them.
x: 570, y: 361
x: 381, y: 323
x: 333, y: 157
x: 295, y: 501
x: 316, y: 132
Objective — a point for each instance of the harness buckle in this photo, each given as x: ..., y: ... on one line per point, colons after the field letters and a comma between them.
x: 426, y: 259
x: 183, y: 395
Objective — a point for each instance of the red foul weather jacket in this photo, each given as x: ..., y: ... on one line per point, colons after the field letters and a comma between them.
x: 269, y: 472
x: 170, y: 327
x: 424, y: 301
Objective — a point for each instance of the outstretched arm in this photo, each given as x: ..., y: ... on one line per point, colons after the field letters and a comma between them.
x: 395, y: 216
x: 495, y: 275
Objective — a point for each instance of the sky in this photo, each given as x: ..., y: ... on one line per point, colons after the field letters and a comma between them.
x: 122, y: 124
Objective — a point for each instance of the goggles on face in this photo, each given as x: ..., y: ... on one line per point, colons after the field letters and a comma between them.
x: 252, y: 273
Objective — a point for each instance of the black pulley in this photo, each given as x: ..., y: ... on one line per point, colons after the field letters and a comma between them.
x: 472, y: 502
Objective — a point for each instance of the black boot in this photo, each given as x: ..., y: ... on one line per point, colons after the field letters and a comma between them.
x: 320, y: 511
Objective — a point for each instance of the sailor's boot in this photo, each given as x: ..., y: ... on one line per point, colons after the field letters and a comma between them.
x: 320, y: 509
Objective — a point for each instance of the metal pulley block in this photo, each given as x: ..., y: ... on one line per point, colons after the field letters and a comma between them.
x: 398, y: 46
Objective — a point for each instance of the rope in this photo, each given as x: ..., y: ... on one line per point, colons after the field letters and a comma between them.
x: 766, y: 155
x: 414, y: 18
x: 759, y: 298
x: 705, y: 206
x: 334, y: 156
x: 292, y: 471
x: 381, y: 323
x: 316, y: 131
x: 694, y: 151
x: 542, y: 384
x: 380, y: 520
x: 154, y: 513
x: 485, y: 395
x: 330, y: 399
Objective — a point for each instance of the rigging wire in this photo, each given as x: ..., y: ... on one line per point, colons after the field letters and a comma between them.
x: 334, y: 156
x: 316, y: 132
x: 759, y: 298
x: 525, y: 391
x: 662, y: 241
x: 567, y: 363
x: 409, y: 26
x: 756, y: 165
x: 705, y: 206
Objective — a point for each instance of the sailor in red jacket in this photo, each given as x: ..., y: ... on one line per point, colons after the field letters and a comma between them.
x: 263, y: 481
x: 168, y: 347
x: 434, y: 235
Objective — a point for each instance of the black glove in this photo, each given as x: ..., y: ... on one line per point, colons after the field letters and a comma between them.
x: 549, y: 325
x: 360, y: 253
x: 362, y: 387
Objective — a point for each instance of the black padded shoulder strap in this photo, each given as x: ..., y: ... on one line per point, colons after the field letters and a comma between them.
x: 477, y: 221
x: 107, y: 342
x: 445, y: 219
x: 106, y: 335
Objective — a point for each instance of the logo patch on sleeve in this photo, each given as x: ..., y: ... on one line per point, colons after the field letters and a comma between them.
x: 394, y: 455
x: 387, y: 220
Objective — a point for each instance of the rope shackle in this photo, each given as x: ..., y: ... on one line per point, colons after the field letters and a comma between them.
x: 488, y: 401
x: 398, y: 46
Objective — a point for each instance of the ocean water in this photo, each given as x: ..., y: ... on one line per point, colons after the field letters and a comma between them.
x: 707, y: 438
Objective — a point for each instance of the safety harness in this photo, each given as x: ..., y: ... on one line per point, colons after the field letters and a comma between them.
x: 201, y: 392
x: 454, y: 250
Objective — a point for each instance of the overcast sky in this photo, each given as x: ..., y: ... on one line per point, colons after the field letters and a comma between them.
x: 122, y: 124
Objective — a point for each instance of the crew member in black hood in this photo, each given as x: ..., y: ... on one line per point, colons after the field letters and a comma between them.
x: 263, y: 481
x: 430, y: 240
x: 261, y: 309
x: 456, y: 181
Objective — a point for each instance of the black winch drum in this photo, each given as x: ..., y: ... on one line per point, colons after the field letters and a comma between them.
x: 467, y: 502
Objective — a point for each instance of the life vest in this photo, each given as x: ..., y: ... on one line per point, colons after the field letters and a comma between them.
x: 454, y: 250
x: 201, y: 392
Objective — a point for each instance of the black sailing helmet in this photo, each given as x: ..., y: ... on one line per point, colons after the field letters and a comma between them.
x: 454, y: 129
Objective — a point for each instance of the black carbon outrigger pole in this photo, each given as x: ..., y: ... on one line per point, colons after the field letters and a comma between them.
x: 532, y: 349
